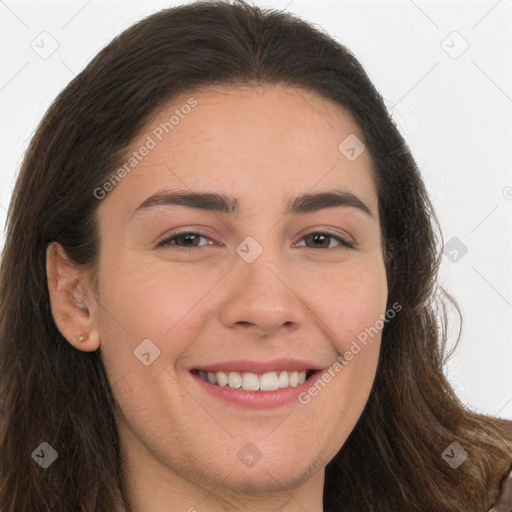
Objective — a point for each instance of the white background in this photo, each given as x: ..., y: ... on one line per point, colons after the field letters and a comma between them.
x: 455, y: 113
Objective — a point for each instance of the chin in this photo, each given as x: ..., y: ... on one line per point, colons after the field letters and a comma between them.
x: 252, y: 482
x: 267, y: 476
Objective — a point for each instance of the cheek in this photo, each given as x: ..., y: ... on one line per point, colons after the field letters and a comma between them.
x: 352, y: 302
x: 155, y: 301
x: 353, y: 306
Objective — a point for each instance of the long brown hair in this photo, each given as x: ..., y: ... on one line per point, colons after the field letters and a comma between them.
x: 51, y: 392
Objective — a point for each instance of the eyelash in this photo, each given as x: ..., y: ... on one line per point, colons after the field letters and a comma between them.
x: 167, y: 241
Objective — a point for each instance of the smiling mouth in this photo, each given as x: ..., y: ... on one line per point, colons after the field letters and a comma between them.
x: 248, y: 381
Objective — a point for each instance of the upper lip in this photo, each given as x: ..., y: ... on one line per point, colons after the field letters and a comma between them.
x: 247, y: 365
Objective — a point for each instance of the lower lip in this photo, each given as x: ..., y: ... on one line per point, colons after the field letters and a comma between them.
x: 258, y: 399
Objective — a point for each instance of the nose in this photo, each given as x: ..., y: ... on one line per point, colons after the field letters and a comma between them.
x: 262, y: 297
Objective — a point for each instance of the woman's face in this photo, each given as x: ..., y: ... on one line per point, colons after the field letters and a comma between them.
x: 253, y: 281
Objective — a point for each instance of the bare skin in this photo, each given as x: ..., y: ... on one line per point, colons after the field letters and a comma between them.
x: 302, y: 297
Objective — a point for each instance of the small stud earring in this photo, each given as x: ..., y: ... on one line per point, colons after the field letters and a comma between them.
x: 82, y: 337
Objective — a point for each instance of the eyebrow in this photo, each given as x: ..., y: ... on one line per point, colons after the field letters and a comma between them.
x: 222, y: 203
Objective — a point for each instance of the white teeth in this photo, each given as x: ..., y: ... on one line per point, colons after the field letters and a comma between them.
x: 235, y: 380
x: 283, y: 380
x: 222, y: 379
x: 250, y: 381
x: 269, y: 382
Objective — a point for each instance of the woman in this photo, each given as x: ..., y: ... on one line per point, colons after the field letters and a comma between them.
x: 219, y: 288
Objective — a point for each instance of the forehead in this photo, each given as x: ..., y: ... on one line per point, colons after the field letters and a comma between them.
x: 271, y: 141
x: 266, y: 120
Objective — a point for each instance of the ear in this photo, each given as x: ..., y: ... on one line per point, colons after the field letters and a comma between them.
x: 72, y: 302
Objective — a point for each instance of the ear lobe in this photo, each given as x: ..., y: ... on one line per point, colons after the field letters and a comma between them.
x: 69, y: 300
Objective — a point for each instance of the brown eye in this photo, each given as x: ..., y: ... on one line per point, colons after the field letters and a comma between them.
x: 322, y: 240
x: 183, y: 240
